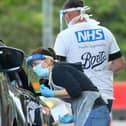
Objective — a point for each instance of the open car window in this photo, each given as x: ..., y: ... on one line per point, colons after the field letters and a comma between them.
x: 14, y: 79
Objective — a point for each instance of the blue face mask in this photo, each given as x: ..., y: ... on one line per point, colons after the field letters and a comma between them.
x: 40, y: 71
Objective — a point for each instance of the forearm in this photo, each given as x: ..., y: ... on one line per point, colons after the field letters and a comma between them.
x: 62, y: 93
x: 117, y: 65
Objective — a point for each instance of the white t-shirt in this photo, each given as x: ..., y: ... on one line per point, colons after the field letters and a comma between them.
x: 90, y: 44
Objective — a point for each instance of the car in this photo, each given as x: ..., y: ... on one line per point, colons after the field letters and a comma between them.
x: 19, y: 104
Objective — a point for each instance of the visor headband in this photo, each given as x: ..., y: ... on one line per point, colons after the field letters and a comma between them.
x: 36, y: 57
x: 84, y: 9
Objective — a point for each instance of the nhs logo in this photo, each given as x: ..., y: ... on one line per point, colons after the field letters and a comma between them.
x: 89, y: 35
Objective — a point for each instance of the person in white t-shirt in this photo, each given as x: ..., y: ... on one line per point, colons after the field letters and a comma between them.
x: 92, y: 44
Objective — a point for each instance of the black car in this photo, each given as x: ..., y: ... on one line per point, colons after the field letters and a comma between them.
x: 19, y: 104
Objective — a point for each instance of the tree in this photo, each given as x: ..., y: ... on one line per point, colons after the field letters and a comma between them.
x: 21, y: 22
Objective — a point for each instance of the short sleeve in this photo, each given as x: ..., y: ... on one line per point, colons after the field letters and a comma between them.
x: 114, y: 47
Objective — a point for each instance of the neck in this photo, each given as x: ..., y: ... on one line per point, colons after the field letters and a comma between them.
x: 77, y: 19
x: 82, y: 20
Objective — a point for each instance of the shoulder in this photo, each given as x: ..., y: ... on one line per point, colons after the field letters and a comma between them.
x: 62, y: 37
x: 59, y: 70
x: 108, y: 33
x: 60, y: 66
x: 64, y: 33
x: 68, y: 66
x: 107, y: 30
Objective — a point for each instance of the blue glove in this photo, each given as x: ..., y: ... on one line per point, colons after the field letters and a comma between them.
x: 66, y: 119
x: 45, y: 91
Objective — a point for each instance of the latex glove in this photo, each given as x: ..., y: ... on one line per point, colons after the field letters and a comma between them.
x: 66, y: 119
x: 45, y: 91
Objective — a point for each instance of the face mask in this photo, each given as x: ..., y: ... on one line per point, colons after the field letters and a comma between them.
x: 40, y: 71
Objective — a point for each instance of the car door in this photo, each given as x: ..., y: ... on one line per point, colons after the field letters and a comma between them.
x: 35, y: 111
x: 6, y: 103
x: 19, y: 105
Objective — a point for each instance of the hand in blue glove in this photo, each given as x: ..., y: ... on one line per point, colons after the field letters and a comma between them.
x: 66, y: 119
x: 45, y: 91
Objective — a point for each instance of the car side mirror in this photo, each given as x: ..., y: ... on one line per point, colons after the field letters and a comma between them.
x: 10, y: 58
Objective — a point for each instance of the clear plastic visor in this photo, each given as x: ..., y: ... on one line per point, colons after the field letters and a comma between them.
x: 63, y: 23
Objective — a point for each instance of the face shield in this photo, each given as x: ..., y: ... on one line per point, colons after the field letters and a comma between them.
x: 64, y: 24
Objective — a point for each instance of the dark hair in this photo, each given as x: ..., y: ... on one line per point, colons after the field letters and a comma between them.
x: 73, y: 4
x: 48, y: 52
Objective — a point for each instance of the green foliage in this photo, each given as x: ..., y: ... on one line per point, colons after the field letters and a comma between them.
x: 21, y: 22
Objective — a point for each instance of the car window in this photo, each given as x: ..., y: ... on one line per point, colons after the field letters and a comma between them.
x: 20, y: 79
x: 13, y: 78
